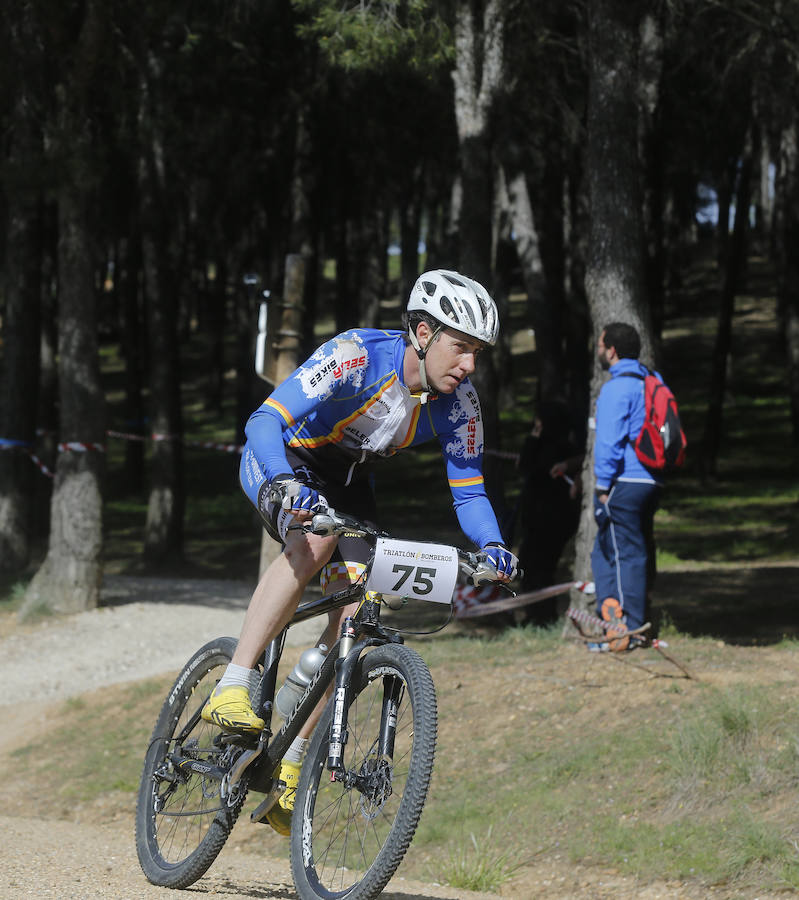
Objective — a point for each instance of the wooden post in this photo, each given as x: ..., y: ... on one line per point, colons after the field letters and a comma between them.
x: 285, y: 350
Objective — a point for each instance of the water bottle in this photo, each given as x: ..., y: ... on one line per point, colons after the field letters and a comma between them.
x: 294, y: 686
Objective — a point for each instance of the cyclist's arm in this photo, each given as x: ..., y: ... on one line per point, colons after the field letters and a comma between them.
x: 462, y: 445
x: 312, y: 384
x: 474, y: 511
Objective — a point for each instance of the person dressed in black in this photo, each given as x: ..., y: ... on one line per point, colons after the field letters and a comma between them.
x: 550, y: 503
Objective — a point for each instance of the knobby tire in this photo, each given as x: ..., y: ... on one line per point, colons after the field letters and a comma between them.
x: 178, y: 842
x: 346, y: 841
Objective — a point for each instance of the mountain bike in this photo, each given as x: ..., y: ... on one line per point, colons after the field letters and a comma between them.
x: 365, y: 777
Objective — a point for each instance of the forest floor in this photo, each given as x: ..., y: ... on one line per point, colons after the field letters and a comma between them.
x: 64, y: 844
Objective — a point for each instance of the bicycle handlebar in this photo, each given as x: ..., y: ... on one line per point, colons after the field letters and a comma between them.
x: 475, y: 567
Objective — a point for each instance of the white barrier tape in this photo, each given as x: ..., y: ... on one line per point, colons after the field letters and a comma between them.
x: 84, y: 447
x: 471, y: 602
x: 209, y: 445
x: 125, y: 436
x: 586, y: 618
x: 40, y: 465
x: 80, y: 447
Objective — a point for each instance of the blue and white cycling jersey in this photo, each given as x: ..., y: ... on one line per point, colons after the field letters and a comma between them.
x: 348, y: 403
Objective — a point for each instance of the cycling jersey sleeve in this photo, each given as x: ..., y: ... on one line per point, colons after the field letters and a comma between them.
x: 264, y: 431
x: 336, y: 366
x: 462, y: 444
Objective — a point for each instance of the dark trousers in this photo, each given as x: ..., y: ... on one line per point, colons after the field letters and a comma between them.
x: 623, y: 557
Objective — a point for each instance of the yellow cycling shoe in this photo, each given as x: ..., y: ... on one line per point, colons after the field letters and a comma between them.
x: 229, y: 707
x: 279, y: 816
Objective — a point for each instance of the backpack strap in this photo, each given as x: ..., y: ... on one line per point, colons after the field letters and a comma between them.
x: 637, y: 375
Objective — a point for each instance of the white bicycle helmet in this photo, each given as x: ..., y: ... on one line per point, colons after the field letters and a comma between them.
x: 456, y: 302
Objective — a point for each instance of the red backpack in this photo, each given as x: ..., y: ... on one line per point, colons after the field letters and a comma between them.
x: 661, y: 441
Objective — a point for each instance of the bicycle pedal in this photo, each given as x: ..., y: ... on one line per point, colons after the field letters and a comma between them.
x: 232, y: 739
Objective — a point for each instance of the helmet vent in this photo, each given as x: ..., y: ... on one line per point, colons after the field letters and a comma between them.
x: 429, y: 288
x: 470, y: 314
x: 446, y: 308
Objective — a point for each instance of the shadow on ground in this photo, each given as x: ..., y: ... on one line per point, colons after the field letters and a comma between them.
x: 745, y: 605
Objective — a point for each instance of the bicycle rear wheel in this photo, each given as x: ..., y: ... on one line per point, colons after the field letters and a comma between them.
x: 182, y: 821
x: 348, y: 837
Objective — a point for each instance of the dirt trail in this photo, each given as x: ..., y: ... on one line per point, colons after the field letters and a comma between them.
x: 151, y: 628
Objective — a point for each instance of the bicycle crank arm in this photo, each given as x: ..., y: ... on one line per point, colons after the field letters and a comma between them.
x: 260, y: 811
x: 243, y: 762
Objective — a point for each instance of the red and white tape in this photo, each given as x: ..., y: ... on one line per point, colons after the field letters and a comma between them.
x: 210, y: 445
x: 580, y: 615
x: 471, y: 602
x: 80, y: 447
x: 126, y: 436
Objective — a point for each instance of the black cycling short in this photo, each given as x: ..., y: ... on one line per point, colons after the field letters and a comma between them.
x: 355, y: 499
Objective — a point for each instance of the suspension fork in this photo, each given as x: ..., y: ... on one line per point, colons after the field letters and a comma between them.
x: 349, y: 654
x: 392, y: 691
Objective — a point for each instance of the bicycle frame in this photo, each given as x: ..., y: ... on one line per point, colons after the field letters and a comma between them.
x: 260, y: 761
x: 337, y: 667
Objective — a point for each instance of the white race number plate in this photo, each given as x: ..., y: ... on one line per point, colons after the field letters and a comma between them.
x: 414, y: 570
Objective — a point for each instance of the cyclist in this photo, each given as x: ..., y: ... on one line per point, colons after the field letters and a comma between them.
x: 364, y: 394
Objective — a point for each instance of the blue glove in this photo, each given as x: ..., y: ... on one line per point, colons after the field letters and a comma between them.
x: 292, y: 494
x: 502, y: 559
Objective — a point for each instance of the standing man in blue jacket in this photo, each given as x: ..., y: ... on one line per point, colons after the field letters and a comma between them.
x: 627, y: 494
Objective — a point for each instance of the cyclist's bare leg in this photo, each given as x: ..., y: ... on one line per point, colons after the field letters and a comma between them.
x: 279, y: 591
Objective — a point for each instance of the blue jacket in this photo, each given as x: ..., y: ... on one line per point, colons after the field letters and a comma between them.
x: 619, y: 417
x: 349, y: 402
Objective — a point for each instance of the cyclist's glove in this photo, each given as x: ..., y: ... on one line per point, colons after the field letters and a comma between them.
x: 289, y: 493
x: 502, y: 559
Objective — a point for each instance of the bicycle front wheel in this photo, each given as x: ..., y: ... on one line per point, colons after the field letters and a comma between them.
x: 348, y: 836
x: 182, y: 817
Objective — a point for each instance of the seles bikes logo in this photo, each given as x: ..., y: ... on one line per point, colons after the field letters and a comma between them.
x: 467, y: 440
x: 471, y: 437
x: 342, y: 359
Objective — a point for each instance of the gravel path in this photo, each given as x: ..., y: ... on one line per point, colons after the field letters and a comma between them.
x: 145, y: 627
x: 82, y: 862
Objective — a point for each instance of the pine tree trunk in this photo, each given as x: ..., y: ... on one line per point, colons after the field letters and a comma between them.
x: 787, y: 240
x: 163, y: 532
x: 133, y: 345
x: 369, y: 251
x: 163, y: 536
x: 286, y: 347
x: 69, y: 579
x: 733, y: 267
x: 19, y: 363
x: 544, y: 308
x: 615, y: 279
x: 479, y: 47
